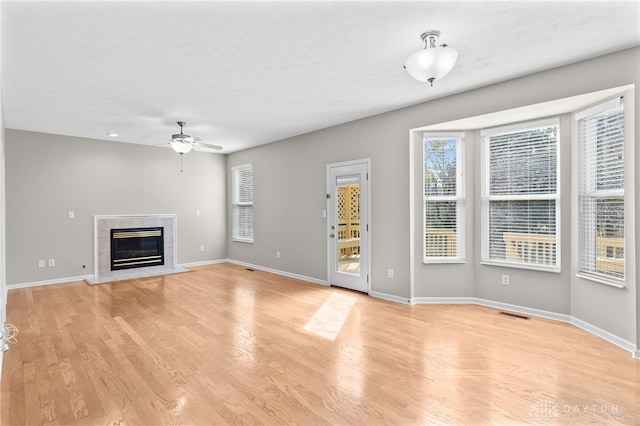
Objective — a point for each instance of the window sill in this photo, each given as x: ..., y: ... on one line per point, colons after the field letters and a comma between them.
x: 436, y: 260
x: 237, y: 240
x: 602, y: 280
x: 531, y: 267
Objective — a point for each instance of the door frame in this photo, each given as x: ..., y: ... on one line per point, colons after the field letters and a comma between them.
x: 330, y: 260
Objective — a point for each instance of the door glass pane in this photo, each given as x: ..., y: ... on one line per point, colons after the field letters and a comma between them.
x: 348, y: 225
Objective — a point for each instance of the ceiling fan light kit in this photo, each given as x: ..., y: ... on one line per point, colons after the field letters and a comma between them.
x: 181, y: 147
x: 180, y: 142
x: 183, y: 143
x: 433, y: 62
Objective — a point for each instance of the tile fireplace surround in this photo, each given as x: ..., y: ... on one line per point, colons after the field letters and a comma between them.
x: 102, y: 244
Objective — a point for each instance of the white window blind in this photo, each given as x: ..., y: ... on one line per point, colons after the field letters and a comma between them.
x: 242, y: 203
x: 520, y: 196
x: 601, y: 192
x: 443, y: 197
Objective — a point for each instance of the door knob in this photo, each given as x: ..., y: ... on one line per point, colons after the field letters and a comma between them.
x: 332, y: 235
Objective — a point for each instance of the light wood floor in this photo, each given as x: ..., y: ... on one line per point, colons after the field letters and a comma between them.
x: 222, y: 345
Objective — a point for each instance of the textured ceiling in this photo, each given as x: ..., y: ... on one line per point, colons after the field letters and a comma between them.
x: 243, y: 74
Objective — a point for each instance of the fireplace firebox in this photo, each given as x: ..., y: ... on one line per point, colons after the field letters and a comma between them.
x: 137, y: 247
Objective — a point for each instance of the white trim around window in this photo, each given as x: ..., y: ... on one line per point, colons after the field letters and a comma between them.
x: 601, y: 193
x: 242, y: 203
x: 443, y: 192
x: 521, y: 196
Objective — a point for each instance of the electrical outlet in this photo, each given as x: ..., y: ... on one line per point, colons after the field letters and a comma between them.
x: 40, y: 263
x: 277, y: 254
x: 201, y: 248
x: 72, y: 214
x: 52, y: 262
x: 390, y: 273
x: 505, y: 280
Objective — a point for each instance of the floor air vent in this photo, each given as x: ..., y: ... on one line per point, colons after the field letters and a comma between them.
x: 514, y: 315
x: 249, y: 269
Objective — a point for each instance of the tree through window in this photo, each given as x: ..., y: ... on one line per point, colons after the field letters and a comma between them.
x: 443, y: 197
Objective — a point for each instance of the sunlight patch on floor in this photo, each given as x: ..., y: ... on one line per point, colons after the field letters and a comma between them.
x: 329, y: 319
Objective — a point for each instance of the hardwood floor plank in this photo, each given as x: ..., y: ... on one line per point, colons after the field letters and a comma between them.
x: 223, y: 345
x: 30, y: 413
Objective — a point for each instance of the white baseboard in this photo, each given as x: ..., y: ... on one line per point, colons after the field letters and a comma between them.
x: 493, y: 304
x: 203, y: 263
x: 603, y: 334
x: 609, y: 337
x: 49, y: 282
x: 442, y: 300
x: 278, y: 272
x: 590, y: 328
x: 91, y: 277
x: 523, y: 310
x: 390, y: 297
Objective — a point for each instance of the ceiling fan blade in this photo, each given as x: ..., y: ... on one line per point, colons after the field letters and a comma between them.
x: 207, y: 145
x: 182, y: 138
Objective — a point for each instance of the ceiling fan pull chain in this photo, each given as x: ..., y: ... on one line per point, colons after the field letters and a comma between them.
x: 180, y: 162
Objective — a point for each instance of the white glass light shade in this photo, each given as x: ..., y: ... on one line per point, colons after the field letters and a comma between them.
x: 431, y: 64
x: 181, y: 147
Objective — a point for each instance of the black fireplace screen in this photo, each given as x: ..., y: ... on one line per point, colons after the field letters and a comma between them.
x: 137, y: 247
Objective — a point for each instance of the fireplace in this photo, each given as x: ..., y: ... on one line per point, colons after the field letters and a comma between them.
x: 104, y: 224
x: 137, y: 247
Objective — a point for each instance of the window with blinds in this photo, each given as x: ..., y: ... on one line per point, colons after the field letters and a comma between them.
x: 443, y: 197
x: 520, y: 193
x: 242, y: 203
x: 601, y: 192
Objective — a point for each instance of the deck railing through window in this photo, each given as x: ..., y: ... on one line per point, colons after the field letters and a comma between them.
x: 540, y: 249
x: 441, y: 243
x: 529, y: 248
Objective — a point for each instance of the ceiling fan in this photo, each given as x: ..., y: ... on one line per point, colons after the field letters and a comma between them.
x: 182, y: 143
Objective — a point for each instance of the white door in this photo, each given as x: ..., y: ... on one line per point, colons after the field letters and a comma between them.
x: 348, y: 224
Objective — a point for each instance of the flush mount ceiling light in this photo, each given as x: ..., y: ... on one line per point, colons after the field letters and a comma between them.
x: 433, y: 62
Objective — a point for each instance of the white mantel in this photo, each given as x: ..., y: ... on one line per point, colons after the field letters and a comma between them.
x: 102, y: 246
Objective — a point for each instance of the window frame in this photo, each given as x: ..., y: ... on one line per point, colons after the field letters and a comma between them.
x: 487, y: 198
x: 621, y: 193
x: 459, y: 198
x: 236, y: 203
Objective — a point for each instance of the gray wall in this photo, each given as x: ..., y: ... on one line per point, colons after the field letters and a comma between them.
x: 549, y: 291
x: 290, y: 187
x: 437, y: 279
x: 611, y: 308
x: 49, y: 175
x: 3, y: 288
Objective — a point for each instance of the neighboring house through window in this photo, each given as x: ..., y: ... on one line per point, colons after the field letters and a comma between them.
x: 601, y: 193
